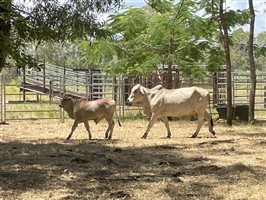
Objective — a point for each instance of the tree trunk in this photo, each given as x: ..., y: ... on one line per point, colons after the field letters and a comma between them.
x: 252, y: 63
x: 224, y: 33
x: 5, y: 8
x: 169, y: 78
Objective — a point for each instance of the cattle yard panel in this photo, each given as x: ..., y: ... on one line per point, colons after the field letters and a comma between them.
x: 36, y: 94
x: 241, y: 88
x: 21, y: 104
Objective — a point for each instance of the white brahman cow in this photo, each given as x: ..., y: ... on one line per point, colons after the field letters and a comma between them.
x: 160, y: 103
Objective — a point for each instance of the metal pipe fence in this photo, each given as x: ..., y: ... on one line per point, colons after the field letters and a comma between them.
x: 36, y: 94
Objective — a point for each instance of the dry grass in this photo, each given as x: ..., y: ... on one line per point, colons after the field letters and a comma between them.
x: 37, y: 163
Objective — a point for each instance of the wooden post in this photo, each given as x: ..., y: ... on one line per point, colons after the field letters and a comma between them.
x: 64, y: 80
x: 50, y: 91
x: 44, y: 79
x: 215, y: 89
x: 24, y: 82
x: 87, y: 82
x: 115, y: 88
x: 2, y: 98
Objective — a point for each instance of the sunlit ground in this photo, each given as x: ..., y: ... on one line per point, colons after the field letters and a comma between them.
x: 38, y: 163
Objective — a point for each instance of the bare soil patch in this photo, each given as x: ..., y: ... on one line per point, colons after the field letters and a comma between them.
x: 36, y: 162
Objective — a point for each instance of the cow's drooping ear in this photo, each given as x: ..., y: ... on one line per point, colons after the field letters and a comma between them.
x: 142, y: 89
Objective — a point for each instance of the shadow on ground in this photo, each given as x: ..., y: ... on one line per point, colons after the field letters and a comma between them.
x: 97, y: 168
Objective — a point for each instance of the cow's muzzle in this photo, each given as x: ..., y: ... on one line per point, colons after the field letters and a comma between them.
x: 128, y: 103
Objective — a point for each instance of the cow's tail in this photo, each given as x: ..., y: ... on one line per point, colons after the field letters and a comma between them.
x: 118, y: 120
x: 212, y: 124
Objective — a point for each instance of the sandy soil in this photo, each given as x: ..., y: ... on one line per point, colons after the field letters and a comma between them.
x: 36, y: 162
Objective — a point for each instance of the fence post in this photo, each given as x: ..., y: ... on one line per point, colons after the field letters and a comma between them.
x: 64, y: 80
x: 61, y: 111
x: 87, y: 82
x: 24, y: 82
x: 3, y: 99
x: 50, y: 91
x: 121, y: 96
x: 114, y: 88
x: 215, y: 89
x: 77, y: 82
x: 233, y: 88
x: 44, y: 78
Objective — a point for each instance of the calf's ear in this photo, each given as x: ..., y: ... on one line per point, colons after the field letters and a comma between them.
x: 142, y: 90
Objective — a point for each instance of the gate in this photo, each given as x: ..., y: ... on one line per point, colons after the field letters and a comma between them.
x: 36, y: 94
x: 241, y: 89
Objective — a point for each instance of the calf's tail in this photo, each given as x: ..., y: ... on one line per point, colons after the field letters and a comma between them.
x: 212, y: 124
x: 118, y: 120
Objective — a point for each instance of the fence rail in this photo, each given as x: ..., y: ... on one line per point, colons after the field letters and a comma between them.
x: 36, y: 94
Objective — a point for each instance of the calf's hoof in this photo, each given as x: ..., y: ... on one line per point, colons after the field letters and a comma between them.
x: 144, y: 137
x: 68, y: 138
x: 213, y: 132
x: 193, y: 136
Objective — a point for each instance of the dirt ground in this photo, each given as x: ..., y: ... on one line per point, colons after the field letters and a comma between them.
x: 36, y: 162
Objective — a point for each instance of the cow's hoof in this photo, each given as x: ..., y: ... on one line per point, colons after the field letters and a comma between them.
x: 193, y: 136
x: 144, y: 137
x: 213, y: 132
x: 168, y: 137
x: 109, y: 138
x: 68, y: 138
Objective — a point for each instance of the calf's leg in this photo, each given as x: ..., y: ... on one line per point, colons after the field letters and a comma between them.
x: 107, y: 131
x: 111, y: 128
x: 209, y: 119
x: 200, y: 123
x: 108, y: 128
x: 74, y: 126
x: 166, y: 123
x: 150, y: 125
x: 88, y: 129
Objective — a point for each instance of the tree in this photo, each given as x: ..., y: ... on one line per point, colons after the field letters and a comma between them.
x: 260, y: 50
x: 252, y: 63
x: 225, y: 36
x: 47, y: 20
x: 239, y: 55
x: 66, y: 54
x: 239, y: 50
x: 226, y: 19
x: 161, y: 34
x: 5, y: 24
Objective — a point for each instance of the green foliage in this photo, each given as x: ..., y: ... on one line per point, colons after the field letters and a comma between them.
x: 129, y: 23
x: 48, y: 20
x: 239, y: 51
x: 234, y: 18
x: 164, y: 33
